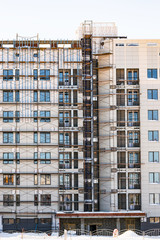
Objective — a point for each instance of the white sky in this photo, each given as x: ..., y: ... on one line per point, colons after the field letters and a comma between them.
x: 58, y: 19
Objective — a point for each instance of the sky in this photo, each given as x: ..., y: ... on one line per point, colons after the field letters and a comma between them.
x: 59, y: 19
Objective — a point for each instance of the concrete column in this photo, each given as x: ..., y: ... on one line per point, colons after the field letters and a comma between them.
x: 118, y: 224
x: 82, y: 225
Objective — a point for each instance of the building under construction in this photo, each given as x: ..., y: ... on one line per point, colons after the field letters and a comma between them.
x: 79, y: 132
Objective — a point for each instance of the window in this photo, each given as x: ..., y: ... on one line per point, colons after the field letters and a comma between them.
x: 35, y: 179
x: 17, y: 95
x: 152, y: 73
x: 133, y: 118
x: 8, y: 200
x: 64, y: 139
x: 35, y: 157
x: 45, y: 116
x: 7, y: 116
x: 45, y: 158
x: 133, y: 160
x: 64, y: 98
x: 35, y: 98
x: 134, y: 201
x: 66, y: 202
x: 45, y: 220
x: 17, y: 115
x: 152, y: 114
x: 64, y: 77
x: 35, y: 55
x: 121, y: 180
x: 65, y: 161
x: 134, y: 181
x: 75, y: 75
x: 75, y: 118
x: 45, y: 137
x: 7, y: 137
x: 154, y: 219
x: 8, y: 158
x: 154, y: 177
x: 35, y: 137
x: 44, y: 96
x: 44, y: 74
x: 17, y: 74
x: 132, y: 76
x: 122, y: 201
x: 133, y: 139
x: 61, y: 78
x: 17, y: 200
x: 35, y: 115
x: 46, y: 200
x: 152, y: 94
x: 120, y: 76
x: 7, y: 96
x: 8, y: 220
x: 75, y: 202
x: 17, y: 179
x: 17, y: 137
x: 153, y: 136
x: 35, y: 74
x: 75, y: 180
x: 64, y: 119
x: 75, y: 160
x: 8, y: 179
x: 154, y: 198
x: 35, y: 199
x: 153, y: 156
x: 133, y: 97
x: 8, y: 74
x: 65, y: 181
x: 75, y: 139
x: 18, y: 157
x: 45, y: 179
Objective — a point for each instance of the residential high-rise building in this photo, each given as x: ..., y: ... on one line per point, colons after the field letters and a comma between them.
x: 79, y: 132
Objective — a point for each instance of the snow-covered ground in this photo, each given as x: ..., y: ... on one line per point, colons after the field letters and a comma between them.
x: 129, y: 235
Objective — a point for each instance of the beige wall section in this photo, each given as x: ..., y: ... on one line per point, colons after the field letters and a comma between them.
x: 129, y: 54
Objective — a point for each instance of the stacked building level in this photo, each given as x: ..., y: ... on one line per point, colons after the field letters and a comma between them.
x: 79, y: 134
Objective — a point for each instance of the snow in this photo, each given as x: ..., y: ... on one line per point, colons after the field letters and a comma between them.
x: 129, y: 235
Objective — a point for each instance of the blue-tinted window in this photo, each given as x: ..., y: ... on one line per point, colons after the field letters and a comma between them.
x: 35, y: 115
x: 45, y: 138
x: 8, y: 158
x: 44, y: 96
x: 45, y: 116
x: 17, y: 137
x: 44, y: 74
x: 45, y: 158
x: 152, y: 94
x: 60, y: 77
x: 152, y: 114
x: 17, y: 115
x: 151, y: 73
x: 153, y: 136
x: 35, y: 137
x: 17, y: 74
x: 35, y: 74
x: 17, y: 96
x: 153, y: 156
x: 8, y: 74
x: 35, y: 96
x: 7, y: 96
x: 7, y: 137
x: 8, y: 116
